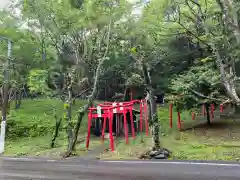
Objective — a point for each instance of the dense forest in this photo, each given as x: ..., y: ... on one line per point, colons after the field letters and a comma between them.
x: 98, y: 49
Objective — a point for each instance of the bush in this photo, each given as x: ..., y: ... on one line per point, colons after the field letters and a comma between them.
x: 30, y: 126
x: 34, y: 118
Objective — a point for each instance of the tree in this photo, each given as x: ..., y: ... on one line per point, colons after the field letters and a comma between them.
x: 96, y: 49
x: 82, y: 45
x: 215, y: 38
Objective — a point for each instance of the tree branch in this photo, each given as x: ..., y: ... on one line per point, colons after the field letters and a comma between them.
x: 203, y: 96
x: 84, y: 91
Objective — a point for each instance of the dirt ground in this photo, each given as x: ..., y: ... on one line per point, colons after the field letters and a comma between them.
x: 220, y: 131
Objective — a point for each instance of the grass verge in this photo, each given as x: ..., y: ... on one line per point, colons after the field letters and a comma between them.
x: 40, y: 146
x: 220, y: 141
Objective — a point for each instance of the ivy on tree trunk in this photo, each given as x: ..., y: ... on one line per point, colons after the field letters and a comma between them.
x: 154, y: 122
x: 68, y: 109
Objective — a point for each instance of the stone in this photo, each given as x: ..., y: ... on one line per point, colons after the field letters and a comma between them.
x: 144, y: 156
x: 166, y: 152
x: 154, y: 153
x: 160, y: 156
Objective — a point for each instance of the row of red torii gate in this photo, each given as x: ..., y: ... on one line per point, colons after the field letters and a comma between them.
x: 116, y: 119
x: 123, y: 118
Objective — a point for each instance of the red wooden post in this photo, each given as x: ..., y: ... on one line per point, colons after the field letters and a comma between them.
x: 89, y: 128
x: 141, y: 118
x: 203, y: 110
x: 146, y: 117
x: 193, y: 115
x: 179, y: 120
x: 132, y: 123
x: 119, y: 124
x: 221, y: 107
x: 170, y: 115
x: 110, y: 130
x: 104, y: 126
x: 125, y: 125
x: 212, y: 111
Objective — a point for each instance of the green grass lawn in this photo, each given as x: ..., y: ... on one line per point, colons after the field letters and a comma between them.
x: 217, y: 142
x: 33, y: 124
x: 31, y: 128
x: 40, y: 146
x: 36, y: 117
x: 182, y: 149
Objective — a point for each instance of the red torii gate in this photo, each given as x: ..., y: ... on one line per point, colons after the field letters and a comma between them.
x: 110, y: 108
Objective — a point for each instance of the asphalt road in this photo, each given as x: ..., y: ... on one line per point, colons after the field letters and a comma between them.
x: 36, y: 169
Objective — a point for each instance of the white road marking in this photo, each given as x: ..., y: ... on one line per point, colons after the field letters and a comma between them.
x: 174, y: 162
x: 129, y: 162
x: 27, y: 159
x: 18, y: 175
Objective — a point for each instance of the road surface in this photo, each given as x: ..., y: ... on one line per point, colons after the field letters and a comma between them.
x: 36, y: 169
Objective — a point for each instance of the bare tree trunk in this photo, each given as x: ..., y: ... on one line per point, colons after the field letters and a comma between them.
x: 5, y: 98
x: 18, y: 99
x: 68, y: 109
x: 77, y: 128
x: 4, y: 109
x: 57, y: 128
x: 155, y: 122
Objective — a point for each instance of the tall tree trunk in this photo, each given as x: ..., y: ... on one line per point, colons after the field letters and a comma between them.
x: 154, y: 123
x: 56, y: 132
x: 5, y: 98
x: 4, y: 115
x: 68, y: 110
x: 18, y: 99
x: 77, y: 128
